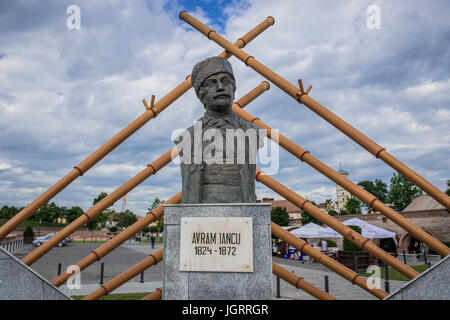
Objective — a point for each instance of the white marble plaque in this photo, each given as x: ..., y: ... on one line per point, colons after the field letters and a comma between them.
x: 216, y: 244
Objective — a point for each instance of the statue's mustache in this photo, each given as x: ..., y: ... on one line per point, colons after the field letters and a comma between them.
x: 222, y: 95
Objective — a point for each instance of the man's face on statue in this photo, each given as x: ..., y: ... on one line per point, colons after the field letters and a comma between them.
x: 217, y: 92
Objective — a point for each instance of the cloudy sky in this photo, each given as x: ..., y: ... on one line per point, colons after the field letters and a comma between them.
x: 64, y: 92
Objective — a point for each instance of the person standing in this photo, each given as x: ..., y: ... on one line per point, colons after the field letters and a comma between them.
x: 152, y: 238
x: 416, y: 249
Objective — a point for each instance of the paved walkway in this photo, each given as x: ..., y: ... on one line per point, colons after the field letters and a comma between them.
x: 129, y: 287
x: 129, y: 254
x: 116, y: 262
x: 314, y: 273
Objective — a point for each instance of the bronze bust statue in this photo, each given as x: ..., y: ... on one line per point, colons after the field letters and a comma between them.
x: 218, y: 153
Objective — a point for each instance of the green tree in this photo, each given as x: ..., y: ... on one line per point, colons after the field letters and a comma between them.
x: 100, y: 197
x: 307, y: 218
x: 378, y: 188
x: 330, y: 207
x: 28, y: 232
x: 353, y: 205
x: 113, y: 229
x: 48, y: 213
x: 146, y: 230
x: 279, y: 216
x: 8, y: 212
x: 125, y: 219
x: 448, y: 188
x: 156, y: 203
x: 350, y: 246
x: 100, y: 220
x: 160, y: 224
x: 73, y: 213
x: 402, y: 191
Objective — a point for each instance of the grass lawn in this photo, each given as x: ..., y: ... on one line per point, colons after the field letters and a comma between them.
x: 157, y: 240
x: 396, y: 275
x: 119, y: 296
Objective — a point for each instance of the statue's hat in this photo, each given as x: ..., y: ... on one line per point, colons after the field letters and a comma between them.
x: 208, y: 67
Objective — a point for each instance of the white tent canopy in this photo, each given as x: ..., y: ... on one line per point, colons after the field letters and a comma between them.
x: 310, y: 230
x: 368, y: 230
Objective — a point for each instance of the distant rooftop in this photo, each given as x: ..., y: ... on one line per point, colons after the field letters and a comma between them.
x: 422, y: 203
x: 290, y: 207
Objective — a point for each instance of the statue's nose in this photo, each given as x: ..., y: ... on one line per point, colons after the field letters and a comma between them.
x: 220, y: 86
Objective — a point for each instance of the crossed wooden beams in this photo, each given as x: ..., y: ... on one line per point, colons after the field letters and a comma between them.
x: 301, y: 96
x: 277, y: 231
x: 96, y: 156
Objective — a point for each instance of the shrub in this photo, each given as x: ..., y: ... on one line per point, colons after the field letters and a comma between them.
x: 350, y: 246
x: 28, y: 233
x: 431, y: 251
x: 113, y: 229
x: 280, y: 216
x: 331, y: 243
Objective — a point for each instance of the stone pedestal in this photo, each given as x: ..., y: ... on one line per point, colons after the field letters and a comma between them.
x: 254, y: 281
x: 19, y: 282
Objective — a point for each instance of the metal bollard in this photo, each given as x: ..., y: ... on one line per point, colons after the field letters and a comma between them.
x: 102, y: 270
x: 59, y: 268
x: 278, y: 288
x: 142, y: 277
x: 429, y: 265
x: 355, y: 263
x: 404, y: 257
x: 327, y: 289
x: 425, y: 257
x: 386, y: 281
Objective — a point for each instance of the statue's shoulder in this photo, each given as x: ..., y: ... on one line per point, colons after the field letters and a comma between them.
x: 189, y: 131
x: 246, y: 125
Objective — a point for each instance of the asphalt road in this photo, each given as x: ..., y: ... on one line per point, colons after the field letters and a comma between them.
x: 128, y: 255
x: 119, y: 260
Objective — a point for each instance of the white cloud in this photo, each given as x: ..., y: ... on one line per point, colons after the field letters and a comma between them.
x: 63, y: 93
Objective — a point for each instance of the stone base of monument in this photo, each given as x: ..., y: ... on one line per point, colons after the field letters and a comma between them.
x: 19, y: 282
x: 432, y: 284
x: 217, y: 252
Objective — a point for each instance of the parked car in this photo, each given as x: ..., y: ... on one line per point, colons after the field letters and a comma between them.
x: 40, y: 240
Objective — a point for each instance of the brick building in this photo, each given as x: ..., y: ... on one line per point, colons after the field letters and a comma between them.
x: 294, y: 212
x: 424, y: 211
